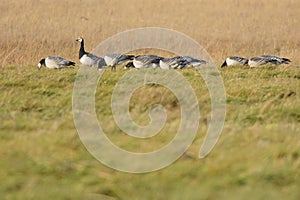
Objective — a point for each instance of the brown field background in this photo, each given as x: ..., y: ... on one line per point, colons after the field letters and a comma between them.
x: 32, y: 29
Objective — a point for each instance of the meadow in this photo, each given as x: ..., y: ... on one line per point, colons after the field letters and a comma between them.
x: 257, y: 155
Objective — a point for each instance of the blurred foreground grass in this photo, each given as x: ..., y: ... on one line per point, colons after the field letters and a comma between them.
x: 257, y: 156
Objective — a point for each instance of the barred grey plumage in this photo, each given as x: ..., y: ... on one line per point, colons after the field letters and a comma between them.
x: 116, y: 59
x: 186, y: 61
x: 170, y: 63
x: 267, y: 59
x: 146, y: 61
x: 276, y: 60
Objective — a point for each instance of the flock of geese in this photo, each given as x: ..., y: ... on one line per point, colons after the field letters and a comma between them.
x: 154, y: 61
x: 256, y: 61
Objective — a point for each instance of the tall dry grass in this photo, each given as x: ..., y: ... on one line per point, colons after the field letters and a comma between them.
x: 32, y: 29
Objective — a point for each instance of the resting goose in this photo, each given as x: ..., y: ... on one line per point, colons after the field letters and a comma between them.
x: 146, y: 61
x: 267, y: 59
x: 55, y: 62
x: 89, y: 59
x: 116, y: 59
x: 234, y: 61
x: 170, y: 63
x: 190, y: 61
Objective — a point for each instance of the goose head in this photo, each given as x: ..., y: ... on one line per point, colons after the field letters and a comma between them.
x: 129, y: 65
x: 80, y: 39
x: 41, y: 63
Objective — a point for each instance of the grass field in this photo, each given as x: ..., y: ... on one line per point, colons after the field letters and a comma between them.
x: 257, y: 155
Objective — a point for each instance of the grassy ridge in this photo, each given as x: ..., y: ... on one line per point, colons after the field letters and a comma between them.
x: 257, y: 155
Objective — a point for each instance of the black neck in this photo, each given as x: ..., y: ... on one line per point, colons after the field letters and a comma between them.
x: 42, y: 61
x: 81, y: 50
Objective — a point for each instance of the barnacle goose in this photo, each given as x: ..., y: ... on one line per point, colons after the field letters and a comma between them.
x: 267, y: 59
x: 170, y: 63
x: 54, y: 62
x: 180, y: 62
x: 116, y: 59
x: 146, y: 61
x: 190, y: 61
x: 89, y: 59
x: 234, y: 61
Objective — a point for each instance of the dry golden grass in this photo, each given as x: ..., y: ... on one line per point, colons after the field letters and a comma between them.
x: 31, y: 29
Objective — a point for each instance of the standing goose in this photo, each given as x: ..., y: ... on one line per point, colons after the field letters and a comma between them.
x: 87, y: 58
x: 146, y: 61
x: 55, y: 62
x: 116, y: 59
x: 234, y: 61
x: 267, y: 59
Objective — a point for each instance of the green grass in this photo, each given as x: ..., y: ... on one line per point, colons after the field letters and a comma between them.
x: 257, y: 156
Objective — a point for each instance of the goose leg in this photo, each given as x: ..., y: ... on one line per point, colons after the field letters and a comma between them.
x: 113, y: 68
